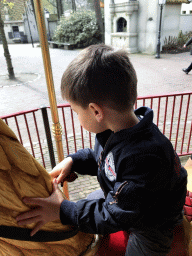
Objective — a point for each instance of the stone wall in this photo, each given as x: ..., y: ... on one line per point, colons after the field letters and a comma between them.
x: 171, y: 21
x: 148, y: 17
x: 185, y: 23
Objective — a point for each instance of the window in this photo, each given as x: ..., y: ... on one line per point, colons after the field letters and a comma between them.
x: 183, y: 12
x: 16, y: 33
x: 15, y: 28
x: 121, y: 25
x: 190, y: 12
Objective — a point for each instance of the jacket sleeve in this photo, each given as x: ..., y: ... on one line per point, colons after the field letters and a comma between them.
x: 118, y: 211
x: 189, y: 41
x: 132, y: 203
x: 84, y: 162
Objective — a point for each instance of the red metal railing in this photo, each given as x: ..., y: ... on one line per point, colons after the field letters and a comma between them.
x: 75, y: 137
x: 172, y: 114
x: 28, y: 129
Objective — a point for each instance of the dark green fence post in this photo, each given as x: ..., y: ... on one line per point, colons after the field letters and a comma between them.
x: 48, y: 135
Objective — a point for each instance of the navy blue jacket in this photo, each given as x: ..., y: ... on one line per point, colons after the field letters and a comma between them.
x: 141, y: 176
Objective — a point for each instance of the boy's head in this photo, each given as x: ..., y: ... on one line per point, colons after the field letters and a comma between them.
x: 101, y: 75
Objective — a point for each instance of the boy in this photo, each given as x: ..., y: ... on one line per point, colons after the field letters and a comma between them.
x: 143, y: 183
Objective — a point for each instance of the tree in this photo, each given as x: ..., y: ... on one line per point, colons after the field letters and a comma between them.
x: 99, y: 17
x: 59, y: 5
x: 59, y: 8
x: 73, y: 5
x: 7, y: 55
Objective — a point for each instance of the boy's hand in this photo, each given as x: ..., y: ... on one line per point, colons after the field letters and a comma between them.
x: 47, y: 209
x: 188, y: 206
x: 62, y: 171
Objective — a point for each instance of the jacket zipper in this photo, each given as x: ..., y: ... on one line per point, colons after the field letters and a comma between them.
x: 120, y: 189
x: 118, y: 192
x: 100, y: 159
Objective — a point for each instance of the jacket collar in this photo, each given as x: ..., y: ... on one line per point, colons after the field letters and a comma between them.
x: 109, y: 139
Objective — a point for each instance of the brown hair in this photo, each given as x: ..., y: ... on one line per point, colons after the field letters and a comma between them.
x: 100, y: 75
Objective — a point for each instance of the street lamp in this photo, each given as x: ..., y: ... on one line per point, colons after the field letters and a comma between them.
x: 47, y: 17
x: 161, y: 4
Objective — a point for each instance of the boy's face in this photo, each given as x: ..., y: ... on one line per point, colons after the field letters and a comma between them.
x: 87, y: 118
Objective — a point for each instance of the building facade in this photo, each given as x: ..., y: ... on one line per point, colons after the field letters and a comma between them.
x: 20, y: 23
x: 186, y: 9
x: 135, y: 24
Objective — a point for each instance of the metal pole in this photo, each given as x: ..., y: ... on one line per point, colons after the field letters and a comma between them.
x: 48, y: 30
x: 157, y: 56
x: 56, y: 128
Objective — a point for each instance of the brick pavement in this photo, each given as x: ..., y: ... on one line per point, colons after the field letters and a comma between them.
x: 155, y: 76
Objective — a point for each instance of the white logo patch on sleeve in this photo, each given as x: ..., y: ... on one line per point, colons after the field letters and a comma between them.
x: 110, y: 167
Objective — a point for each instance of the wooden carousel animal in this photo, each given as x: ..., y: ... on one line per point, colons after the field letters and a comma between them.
x: 21, y: 175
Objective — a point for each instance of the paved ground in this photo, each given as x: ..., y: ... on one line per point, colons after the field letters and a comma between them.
x: 30, y: 90
x: 155, y: 76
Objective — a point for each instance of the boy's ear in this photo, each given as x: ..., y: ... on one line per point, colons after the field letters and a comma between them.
x: 97, y: 111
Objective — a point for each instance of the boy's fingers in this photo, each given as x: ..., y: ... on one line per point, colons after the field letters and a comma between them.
x: 33, y: 201
x: 55, y: 185
x: 28, y: 215
x: 54, y: 173
x: 28, y: 221
x: 62, y: 170
x: 61, y: 177
x: 37, y: 228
